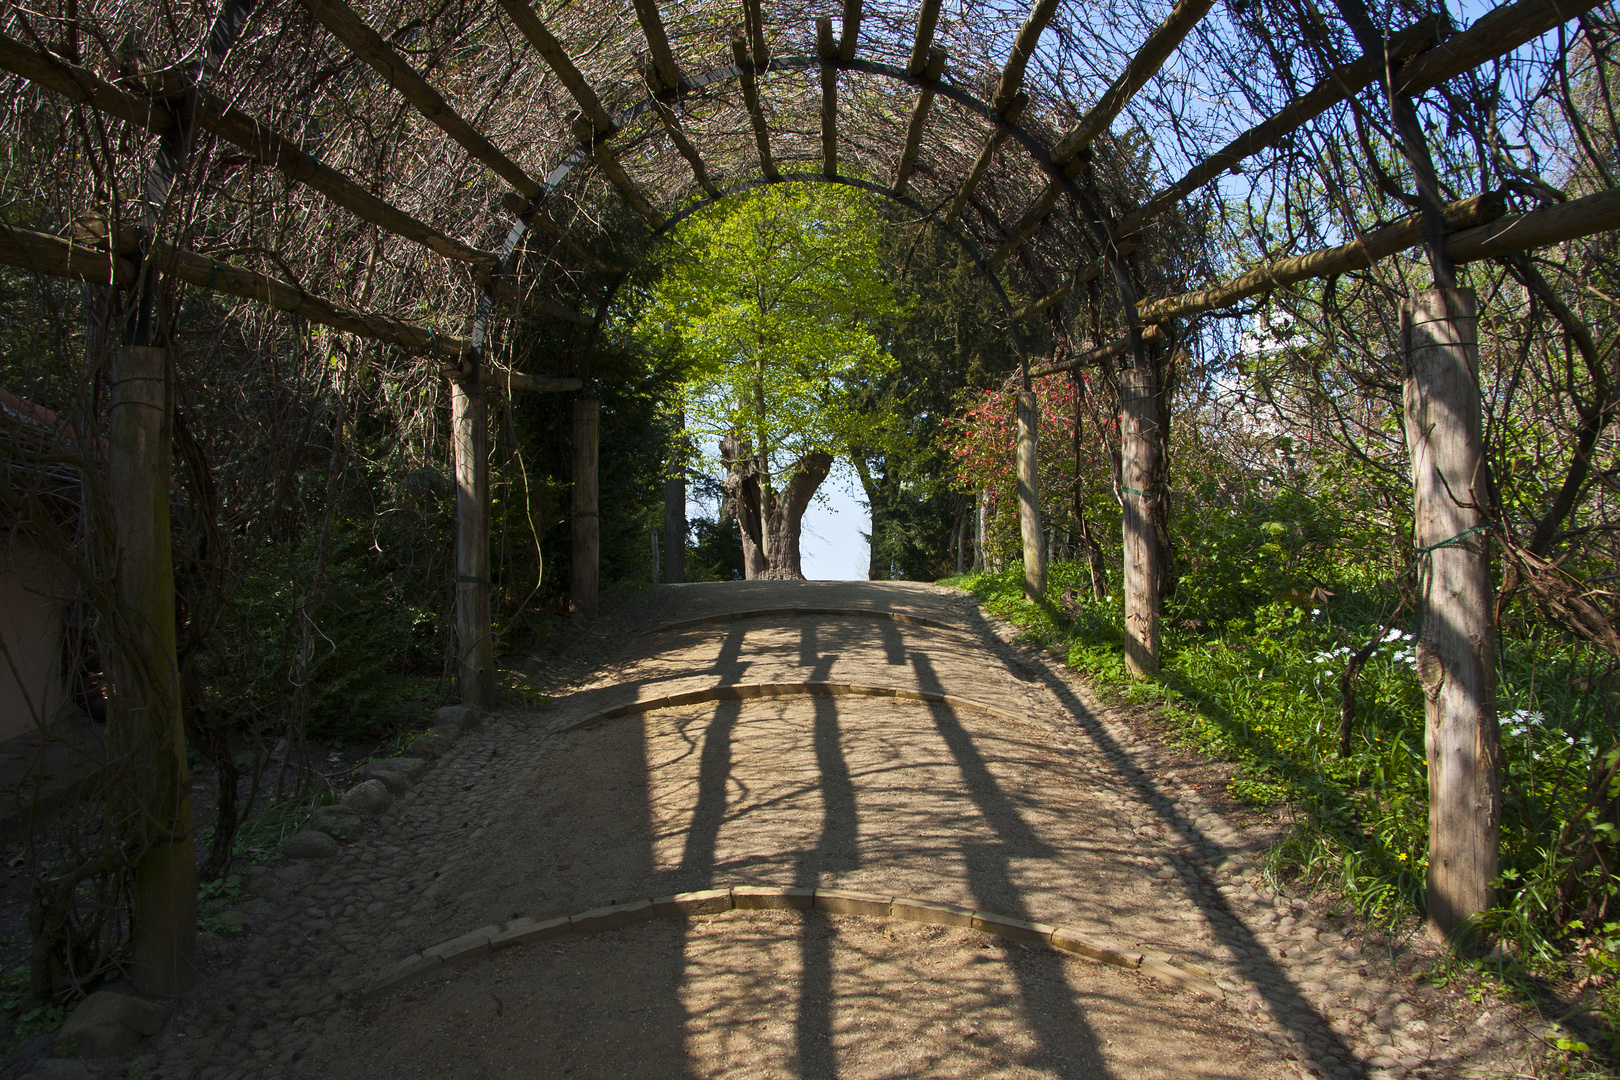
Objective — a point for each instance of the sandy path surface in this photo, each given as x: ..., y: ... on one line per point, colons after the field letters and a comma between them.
x: 1039, y: 806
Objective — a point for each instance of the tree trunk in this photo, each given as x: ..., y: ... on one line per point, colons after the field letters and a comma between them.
x: 786, y: 515
x: 1029, y: 497
x: 147, y: 721
x: 1141, y: 447
x: 1455, y: 651
x: 743, y: 491
x: 475, y: 646
x: 675, y: 516
x: 874, y: 496
x: 587, y: 528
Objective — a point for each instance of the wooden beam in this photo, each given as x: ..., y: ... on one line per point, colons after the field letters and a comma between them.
x: 81, y: 85
x: 506, y: 290
x: 556, y: 58
x: 677, y: 136
x: 827, y: 50
x: 987, y: 153
x: 264, y: 143
x: 1341, y: 83
x: 1147, y: 61
x: 1456, y: 662
x: 851, y: 30
x: 1538, y: 228
x: 586, y: 528
x: 347, y: 26
x: 1027, y: 224
x: 663, y: 58
x: 754, y: 20
x: 1009, y: 102
x: 1496, y: 33
x: 919, y: 119
x: 597, y: 124
x: 54, y: 256
x: 1012, y: 73
x: 1357, y: 255
x: 530, y: 211
x: 507, y: 379
x: 1143, y: 66
x: 1091, y: 358
x: 1083, y: 275
x: 762, y: 134
x: 927, y: 21
x: 615, y: 173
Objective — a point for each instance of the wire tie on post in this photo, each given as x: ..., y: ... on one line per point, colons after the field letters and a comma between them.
x: 1452, y: 541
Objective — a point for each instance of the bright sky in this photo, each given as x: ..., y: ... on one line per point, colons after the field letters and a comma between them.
x: 831, y: 547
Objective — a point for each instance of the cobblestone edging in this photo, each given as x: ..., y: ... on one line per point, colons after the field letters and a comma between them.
x: 761, y: 691
x: 522, y: 931
x: 801, y: 613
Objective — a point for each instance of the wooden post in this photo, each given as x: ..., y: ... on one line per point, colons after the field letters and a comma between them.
x: 1456, y: 647
x: 981, y: 527
x: 1141, y: 443
x: 1029, y: 497
x: 146, y: 709
x: 475, y: 644
x: 675, y: 515
x: 587, y: 530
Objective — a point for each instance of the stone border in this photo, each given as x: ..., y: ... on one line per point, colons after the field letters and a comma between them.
x: 801, y: 612
x: 487, y: 939
x: 753, y: 691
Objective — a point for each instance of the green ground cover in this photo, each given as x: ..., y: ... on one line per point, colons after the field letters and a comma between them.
x: 1261, y: 691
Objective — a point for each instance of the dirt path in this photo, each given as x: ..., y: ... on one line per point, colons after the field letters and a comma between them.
x: 1038, y: 808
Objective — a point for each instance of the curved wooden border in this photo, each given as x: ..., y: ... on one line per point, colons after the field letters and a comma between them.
x: 801, y: 612
x: 522, y: 931
x: 753, y: 691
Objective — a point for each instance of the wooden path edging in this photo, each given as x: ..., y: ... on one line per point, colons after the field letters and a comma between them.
x: 753, y: 691
x: 522, y: 931
x: 798, y: 612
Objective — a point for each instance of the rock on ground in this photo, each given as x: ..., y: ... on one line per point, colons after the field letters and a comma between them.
x: 309, y: 844
x: 107, y: 1024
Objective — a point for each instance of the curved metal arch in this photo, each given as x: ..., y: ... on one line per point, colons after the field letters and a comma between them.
x: 581, y: 154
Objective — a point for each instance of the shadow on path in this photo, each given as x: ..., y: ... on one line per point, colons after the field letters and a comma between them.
x: 1066, y: 1038
x: 1287, y: 1005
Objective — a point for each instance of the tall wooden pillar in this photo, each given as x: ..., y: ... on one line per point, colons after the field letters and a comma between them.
x: 1456, y: 650
x: 475, y: 644
x: 675, y: 516
x: 587, y: 529
x: 1029, y: 497
x: 981, y: 529
x: 148, y: 726
x: 1141, y: 446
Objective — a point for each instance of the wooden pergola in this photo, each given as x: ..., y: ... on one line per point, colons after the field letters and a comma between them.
x: 689, y: 103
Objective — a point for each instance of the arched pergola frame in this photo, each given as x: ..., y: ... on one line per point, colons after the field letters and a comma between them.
x: 1394, y: 65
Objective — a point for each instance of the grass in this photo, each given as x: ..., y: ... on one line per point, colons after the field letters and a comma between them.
x: 1258, y: 688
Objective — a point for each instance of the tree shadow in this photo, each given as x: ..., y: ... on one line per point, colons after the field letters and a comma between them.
x: 1287, y: 1005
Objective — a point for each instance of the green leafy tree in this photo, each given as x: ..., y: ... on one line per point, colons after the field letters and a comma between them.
x: 775, y: 303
